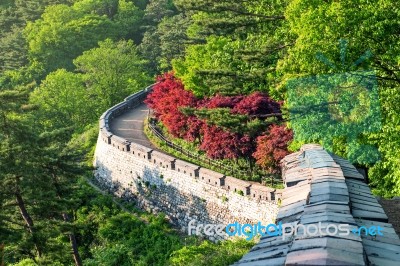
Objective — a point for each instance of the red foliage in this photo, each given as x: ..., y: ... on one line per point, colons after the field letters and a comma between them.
x: 175, y: 122
x: 256, y: 104
x: 272, y: 147
x: 220, y: 144
x: 194, y: 129
x: 167, y: 97
x: 219, y: 101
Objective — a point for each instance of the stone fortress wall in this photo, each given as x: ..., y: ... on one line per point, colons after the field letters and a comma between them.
x: 183, y: 191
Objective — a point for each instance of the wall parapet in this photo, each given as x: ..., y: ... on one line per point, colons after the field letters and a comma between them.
x: 129, y: 102
x: 249, y: 189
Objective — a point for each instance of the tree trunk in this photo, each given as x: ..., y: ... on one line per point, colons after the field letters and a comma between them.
x: 74, y: 245
x: 25, y: 215
x: 72, y: 238
x: 2, y: 254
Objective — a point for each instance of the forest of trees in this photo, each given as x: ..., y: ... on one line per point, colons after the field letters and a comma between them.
x: 240, y: 69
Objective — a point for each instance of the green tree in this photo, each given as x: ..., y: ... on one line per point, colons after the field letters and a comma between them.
x: 211, y: 68
x: 173, y: 39
x: 372, y: 43
x: 105, y: 76
x: 28, y: 201
x: 14, y: 16
x: 31, y: 10
x: 64, y: 101
x: 150, y: 45
x: 13, y: 53
x: 235, y: 46
x: 225, y: 17
x: 37, y: 177
x: 64, y: 32
x: 111, y: 72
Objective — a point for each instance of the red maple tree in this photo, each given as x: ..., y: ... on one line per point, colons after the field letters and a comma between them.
x: 167, y: 97
x: 220, y: 101
x: 272, y: 147
x: 256, y: 103
x: 220, y: 144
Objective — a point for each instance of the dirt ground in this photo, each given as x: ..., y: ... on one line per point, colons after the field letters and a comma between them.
x: 392, y: 209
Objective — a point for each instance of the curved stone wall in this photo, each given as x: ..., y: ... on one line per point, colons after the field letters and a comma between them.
x: 183, y: 191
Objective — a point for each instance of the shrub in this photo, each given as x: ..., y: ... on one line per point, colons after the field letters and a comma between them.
x: 272, y: 147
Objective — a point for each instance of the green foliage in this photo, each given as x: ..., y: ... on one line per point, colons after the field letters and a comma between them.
x: 113, y: 71
x: 369, y: 29
x: 222, y: 117
x: 240, y: 192
x: 30, y: 10
x: 126, y: 240
x: 63, y: 98
x: 37, y: 173
x: 208, y: 69
x: 223, y: 253
x: 237, y: 18
x: 14, y: 15
x: 338, y: 109
x: 64, y: 32
x: 173, y: 39
x: 107, y: 75
x: 153, y: 41
x: 14, y: 52
x: 110, y: 236
x: 236, y: 46
x: 385, y: 175
x: 227, y: 66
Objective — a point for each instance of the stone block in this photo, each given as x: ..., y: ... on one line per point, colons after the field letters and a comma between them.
x: 211, y: 177
x: 187, y: 168
x: 163, y: 160
x: 105, y: 135
x: 234, y: 184
x: 120, y: 143
x: 140, y: 151
x: 261, y: 192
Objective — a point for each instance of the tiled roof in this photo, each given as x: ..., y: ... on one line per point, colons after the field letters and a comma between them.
x: 324, y: 188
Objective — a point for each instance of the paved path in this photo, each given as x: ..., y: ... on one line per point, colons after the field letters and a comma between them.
x: 130, y: 125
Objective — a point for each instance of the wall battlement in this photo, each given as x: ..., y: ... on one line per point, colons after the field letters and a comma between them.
x: 249, y: 189
x: 158, y: 182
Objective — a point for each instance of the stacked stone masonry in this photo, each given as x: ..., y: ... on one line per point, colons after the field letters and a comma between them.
x: 327, y: 190
x: 158, y: 182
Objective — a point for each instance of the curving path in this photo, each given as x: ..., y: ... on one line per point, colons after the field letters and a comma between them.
x: 130, y: 125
